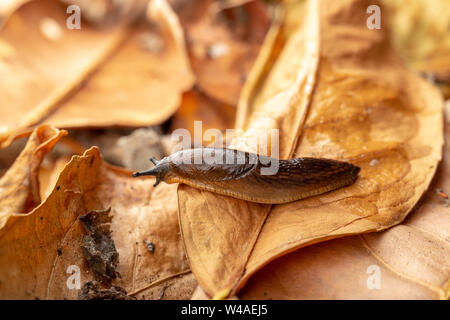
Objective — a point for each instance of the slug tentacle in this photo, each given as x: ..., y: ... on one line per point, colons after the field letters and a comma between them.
x: 158, y: 180
x: 151, y: 172
x: 152, y: 159
x: 241, y: 174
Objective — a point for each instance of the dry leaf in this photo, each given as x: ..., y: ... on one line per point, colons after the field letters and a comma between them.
x: 19, y: 185
x: 223, y: 44
x: 141, y: 84
x: 219, y: 232
x: 106, y: 12
x: 421, y: 34
x: 196, y: 106
x: 410, y: 259
x: 48, y: 174
x: 39, y: 56
x: 7, y: 7
x: 332, y: 87
x: 50, y: 237
x: 361, y: 105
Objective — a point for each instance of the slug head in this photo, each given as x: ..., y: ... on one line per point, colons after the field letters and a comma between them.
x: 160, y: 169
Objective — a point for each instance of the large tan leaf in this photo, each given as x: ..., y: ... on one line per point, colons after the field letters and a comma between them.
x: 219, y: 232
x: 412, y: 258
x: 140, y: 84
x: 363, y: 107
x: 41, y: 61
x: 387, y: 120
x: 37, y: 248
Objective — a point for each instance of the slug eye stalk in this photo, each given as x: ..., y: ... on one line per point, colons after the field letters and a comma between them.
x: 154, y: 161
x: 155, y: 171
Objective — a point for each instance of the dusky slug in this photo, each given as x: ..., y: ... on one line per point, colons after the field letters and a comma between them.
x: 241, y: 174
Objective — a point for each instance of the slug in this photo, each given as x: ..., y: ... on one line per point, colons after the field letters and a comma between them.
x: 241, y: 174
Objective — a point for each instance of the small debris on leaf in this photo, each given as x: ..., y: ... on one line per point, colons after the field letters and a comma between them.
x: 161, y: 293
x: 98, y: 247
x: 442, y: 193
x: 50, y: 29
x: 92, y: 290
x: 217, y: 50
x: 150, y: 246
x: 151, y: 42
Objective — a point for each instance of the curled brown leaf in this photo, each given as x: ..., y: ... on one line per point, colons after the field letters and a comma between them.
x: 50, y: 237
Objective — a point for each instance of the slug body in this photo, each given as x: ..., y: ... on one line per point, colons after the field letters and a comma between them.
x: 248, y: 176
